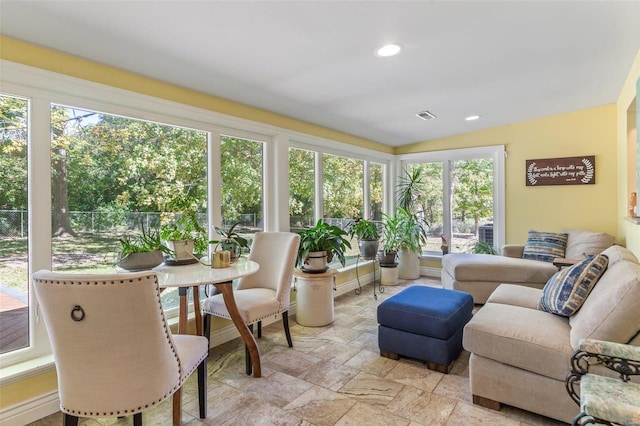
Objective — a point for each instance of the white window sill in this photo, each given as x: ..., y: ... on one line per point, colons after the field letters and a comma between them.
x: 26, y: 369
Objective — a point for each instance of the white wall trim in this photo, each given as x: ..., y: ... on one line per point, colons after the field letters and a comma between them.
x: 31, y: 410
x: 426, y: 271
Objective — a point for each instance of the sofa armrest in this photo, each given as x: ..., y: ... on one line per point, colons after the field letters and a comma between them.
x: 513, y: 250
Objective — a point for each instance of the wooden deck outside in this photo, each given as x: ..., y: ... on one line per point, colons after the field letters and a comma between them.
x: 14, y: 323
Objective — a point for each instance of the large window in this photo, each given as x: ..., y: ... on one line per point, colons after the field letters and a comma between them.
x: 242, y: 184
x: 350, y: 188
x: 301, y: 189
x: 14, y: 266
x: 462, y: 198
x: 376, y: 191
x: 113, y: 177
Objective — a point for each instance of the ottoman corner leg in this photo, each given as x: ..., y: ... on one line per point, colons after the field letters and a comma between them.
x: 440, y: 368
x: 390, y: 355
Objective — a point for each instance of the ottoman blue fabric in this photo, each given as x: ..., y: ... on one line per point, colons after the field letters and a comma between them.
x: 424, y: 323
x: 424, y: 348
x: 429, y: 311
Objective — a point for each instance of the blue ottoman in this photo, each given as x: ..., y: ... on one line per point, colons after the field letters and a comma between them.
x: 424, y: 323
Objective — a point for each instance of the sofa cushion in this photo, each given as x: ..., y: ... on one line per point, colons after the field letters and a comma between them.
x: 525, y: 338
x: 612, y: 310
x: 582, y: 243
x: 545, y: 246
x: 568, y: 288
x: 500, y: 269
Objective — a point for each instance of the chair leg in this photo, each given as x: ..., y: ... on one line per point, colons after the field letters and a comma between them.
x: 202, y: 388
x: 137, y: 419
x: 285, y: 323
x: 70, y: 420
x: 207, y: 327
x: 247, y: 355
x: 177, y: 407
x: 259, y: 329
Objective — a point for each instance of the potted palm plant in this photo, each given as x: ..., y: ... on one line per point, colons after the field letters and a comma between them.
x: 141, y: 252
x: 368, y: 237
x: 319, y: 244
x: 414, y: 235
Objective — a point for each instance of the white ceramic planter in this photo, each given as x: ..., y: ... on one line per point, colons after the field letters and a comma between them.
x: 389, y: 275
x: 316, y: 261
x: 183, y: 249
x: 314, y: 298
x: 408, y: 265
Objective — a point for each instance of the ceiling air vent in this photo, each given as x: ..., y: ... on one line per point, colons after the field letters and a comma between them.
x: 425, y: 115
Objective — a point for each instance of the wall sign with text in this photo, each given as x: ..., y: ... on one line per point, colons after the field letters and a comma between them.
x: 562, y: 171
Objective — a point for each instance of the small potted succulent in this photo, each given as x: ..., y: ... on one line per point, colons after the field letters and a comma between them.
x: 368, y: 237
x: 230, y: 240
x: 319, y: 244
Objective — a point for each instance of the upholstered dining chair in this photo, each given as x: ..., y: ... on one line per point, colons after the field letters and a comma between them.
x: 114, y: 353
x: 265, y: 293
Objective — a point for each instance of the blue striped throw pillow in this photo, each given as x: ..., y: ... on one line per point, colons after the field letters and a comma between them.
x: 567, y: 289
x: 545, y: 246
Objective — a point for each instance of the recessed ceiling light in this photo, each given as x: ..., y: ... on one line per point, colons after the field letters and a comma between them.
x: 472, y: 117
x: 389, y: 50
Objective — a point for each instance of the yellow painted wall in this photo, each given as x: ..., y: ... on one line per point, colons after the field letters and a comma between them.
x: 629, y: 232
x: 550, y: 208
x: 20, y: 391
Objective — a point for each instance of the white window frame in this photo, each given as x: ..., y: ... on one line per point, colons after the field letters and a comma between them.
x: 494, y: 152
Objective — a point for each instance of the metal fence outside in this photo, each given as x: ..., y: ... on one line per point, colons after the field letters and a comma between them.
x: 14, y: 223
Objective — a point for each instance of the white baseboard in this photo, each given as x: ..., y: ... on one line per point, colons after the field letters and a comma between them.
x: 29, y: 411
x: 430, y: 272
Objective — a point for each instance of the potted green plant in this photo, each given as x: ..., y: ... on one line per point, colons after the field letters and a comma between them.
x: 391, y: 239
x: 411, y: 185
x: 230, y: 240
x: 183, y: 234
x: 368, y: 237
x: 319, y: 244
x: 141, y: 252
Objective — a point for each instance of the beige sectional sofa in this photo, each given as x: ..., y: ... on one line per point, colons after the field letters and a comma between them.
x: 520, y: 355
x: 480, y: 274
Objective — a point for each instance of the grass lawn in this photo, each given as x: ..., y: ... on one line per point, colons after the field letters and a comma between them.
x: 90, y: 253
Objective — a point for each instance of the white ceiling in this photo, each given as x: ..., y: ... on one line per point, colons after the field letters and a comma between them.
x: 314, y: 61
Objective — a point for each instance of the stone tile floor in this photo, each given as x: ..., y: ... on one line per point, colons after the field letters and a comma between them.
x: 333, y: 375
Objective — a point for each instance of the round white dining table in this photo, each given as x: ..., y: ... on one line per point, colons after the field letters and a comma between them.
x: 193, y: 276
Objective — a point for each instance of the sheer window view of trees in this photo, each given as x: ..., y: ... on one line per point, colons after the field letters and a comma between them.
x: 471, y: 187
